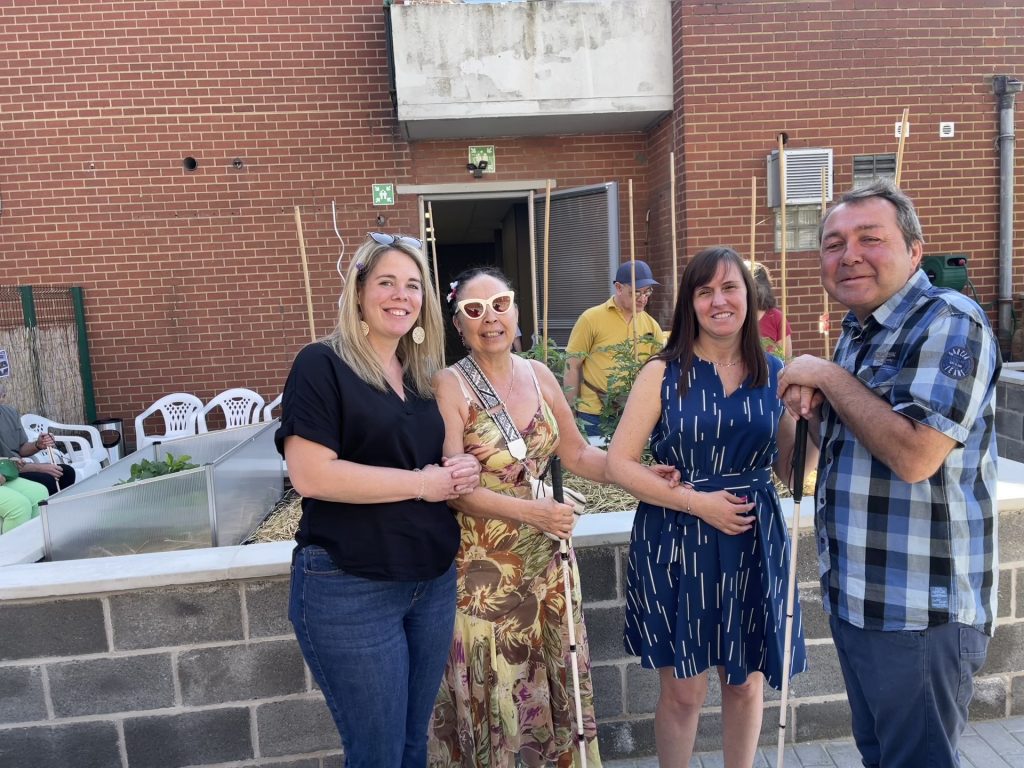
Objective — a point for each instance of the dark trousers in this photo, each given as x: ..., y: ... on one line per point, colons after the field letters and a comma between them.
x: 909, y: 691
x: 50, y: 481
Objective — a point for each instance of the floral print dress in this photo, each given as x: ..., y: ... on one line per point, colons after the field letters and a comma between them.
x: 507, y: 688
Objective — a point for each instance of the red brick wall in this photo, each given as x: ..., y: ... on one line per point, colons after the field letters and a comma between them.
x: 838, y: 74
x: 193, y: 280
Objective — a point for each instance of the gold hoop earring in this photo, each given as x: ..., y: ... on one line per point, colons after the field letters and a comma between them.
x: 364, y: 327
x: 418, y: 335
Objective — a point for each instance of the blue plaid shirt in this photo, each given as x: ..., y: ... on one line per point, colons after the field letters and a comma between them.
x: 894, y: 555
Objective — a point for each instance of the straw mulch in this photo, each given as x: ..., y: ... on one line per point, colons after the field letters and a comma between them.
x: 283, y: 520
x: 281, y: 523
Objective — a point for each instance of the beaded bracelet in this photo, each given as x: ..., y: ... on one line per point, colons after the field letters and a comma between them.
x: 423, y: 484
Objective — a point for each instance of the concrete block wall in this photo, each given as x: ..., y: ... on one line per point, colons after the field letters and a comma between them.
x: 197, y: 675
x: 626, y: 693
x: 210, y: 674
x: 1010, y: 415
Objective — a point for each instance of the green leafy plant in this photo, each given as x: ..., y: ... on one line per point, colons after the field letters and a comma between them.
x: 556, y: 361
x: 146, y: 469
x: 624, y: 370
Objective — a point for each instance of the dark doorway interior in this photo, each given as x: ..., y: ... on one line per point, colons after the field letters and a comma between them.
x: 490, y: 231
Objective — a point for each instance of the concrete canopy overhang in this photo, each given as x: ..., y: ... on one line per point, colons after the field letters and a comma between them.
x: 531, y: 69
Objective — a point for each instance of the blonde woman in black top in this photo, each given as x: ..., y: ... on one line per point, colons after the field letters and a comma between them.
x: 373, y: 588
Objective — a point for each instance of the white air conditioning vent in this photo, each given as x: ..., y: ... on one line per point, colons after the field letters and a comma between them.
x: 803, y: 176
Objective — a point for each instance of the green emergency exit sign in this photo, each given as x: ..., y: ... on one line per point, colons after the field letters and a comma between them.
x: 486, y: 153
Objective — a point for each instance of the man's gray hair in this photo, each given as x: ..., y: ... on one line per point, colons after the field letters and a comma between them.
x: 906, y: 214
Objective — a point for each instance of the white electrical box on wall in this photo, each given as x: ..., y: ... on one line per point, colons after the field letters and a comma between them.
x: 946, y: 130
x: 898, y: 129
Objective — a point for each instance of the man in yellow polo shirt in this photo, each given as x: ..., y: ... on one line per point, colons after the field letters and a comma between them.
x: 598, y: 329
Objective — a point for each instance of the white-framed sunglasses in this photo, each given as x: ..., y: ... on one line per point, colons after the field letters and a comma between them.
x: 383, y: 238
x: 474, y: 309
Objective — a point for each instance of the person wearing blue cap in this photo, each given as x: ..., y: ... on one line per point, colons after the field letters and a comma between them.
x: 602, y: 327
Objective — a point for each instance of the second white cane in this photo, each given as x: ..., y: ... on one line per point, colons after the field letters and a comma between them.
x: 799, y: 457
x: 563, y: 549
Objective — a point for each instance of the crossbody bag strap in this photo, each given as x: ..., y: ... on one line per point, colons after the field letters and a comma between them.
x: 492, y: 404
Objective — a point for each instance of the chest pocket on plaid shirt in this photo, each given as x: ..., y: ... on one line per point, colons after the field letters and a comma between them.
x: 879, y: 378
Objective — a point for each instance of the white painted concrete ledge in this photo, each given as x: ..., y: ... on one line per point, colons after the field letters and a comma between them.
x: 23, y: 578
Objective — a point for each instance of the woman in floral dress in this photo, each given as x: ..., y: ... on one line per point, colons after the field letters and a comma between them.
x: 507, y: 689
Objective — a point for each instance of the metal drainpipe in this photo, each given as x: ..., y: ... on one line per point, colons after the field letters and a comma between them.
x: 1005, y: 87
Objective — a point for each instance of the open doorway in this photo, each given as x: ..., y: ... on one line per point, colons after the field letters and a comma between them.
x: 484, y: 231
x: 506, y: 230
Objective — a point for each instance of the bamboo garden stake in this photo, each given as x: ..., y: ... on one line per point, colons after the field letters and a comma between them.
x: 904, y: 127
x: 675, y: 252
x: 531, y: 215
x: 782, y: 213
x: 825, y: 324
x: 432, y: 239
x: 305, y: 274
x: 753, y: 220
x: 547, y: 234
x: 632, y: 272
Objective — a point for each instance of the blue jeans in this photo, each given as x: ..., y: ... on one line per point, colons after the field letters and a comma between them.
x: 591, y: 423
x: 377, y: 649
x: 909, y: 691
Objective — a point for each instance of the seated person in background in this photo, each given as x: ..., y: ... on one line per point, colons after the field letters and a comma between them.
x: 19, y: 498
x: 14, y: 443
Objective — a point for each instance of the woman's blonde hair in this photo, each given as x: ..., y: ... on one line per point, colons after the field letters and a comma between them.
x: 763, y: 285
x: 419, y: 361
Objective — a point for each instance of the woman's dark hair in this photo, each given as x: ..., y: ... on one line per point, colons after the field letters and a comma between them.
x: 700, y: 271
x: 459, y: 283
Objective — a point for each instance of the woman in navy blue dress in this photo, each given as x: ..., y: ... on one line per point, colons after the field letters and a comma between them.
x: 708, y: 559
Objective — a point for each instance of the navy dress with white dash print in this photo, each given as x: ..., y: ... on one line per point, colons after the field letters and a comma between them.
x: 696, y: 597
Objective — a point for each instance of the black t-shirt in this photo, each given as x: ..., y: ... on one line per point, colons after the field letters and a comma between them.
x: 325, y: 402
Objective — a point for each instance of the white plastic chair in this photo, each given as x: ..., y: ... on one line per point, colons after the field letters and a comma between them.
x: 85, y: 454
x: 180, y: 412
x: 240, y: 407
x: 268, y: 412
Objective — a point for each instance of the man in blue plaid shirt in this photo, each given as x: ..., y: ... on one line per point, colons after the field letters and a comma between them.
x: 904, y: 513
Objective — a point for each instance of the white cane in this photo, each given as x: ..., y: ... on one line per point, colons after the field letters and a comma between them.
x: 563, y: 549
x: 49, y: 452
x: 799, y: 456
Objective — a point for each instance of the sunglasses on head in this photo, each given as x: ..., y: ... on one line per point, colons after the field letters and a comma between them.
x: 474, y: 309
x: 385, y: 239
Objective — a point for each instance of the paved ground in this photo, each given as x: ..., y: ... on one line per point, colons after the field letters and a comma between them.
x: 989, y: 744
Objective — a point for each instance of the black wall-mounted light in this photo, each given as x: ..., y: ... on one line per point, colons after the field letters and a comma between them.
x: 477, y: 169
